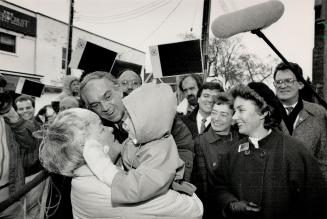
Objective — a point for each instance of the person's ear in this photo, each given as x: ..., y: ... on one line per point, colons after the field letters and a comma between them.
x: 263, y: 116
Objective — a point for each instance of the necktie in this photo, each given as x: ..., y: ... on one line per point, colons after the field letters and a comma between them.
x: 289, y: 109
x: 203, y: 125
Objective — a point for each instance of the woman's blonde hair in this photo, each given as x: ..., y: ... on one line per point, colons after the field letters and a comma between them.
x: 61, y: 149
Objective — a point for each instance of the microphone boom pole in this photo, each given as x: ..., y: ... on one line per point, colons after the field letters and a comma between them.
x: 300, y: 77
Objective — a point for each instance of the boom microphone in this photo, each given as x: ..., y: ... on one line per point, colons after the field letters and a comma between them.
x: 252, y: 18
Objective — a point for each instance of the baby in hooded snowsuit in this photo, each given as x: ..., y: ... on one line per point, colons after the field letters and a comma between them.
x: 150, y: 160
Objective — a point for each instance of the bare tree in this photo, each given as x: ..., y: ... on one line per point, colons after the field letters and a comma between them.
x: 230, y: 64
x: 188, y: 36
x: 224, y: 60
x: 255, y: 69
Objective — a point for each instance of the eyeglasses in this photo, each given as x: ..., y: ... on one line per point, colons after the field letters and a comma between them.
x: 287, y: 82
x: 132, y: 83
x: 97, y: 106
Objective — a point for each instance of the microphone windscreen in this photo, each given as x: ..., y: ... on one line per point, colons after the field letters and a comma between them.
x: 256, y: 17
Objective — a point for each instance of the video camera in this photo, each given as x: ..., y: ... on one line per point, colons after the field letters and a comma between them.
x: 5, y: 98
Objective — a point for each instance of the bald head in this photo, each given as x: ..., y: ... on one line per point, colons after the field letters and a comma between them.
x: 68, y: 103
x: 129, y: 80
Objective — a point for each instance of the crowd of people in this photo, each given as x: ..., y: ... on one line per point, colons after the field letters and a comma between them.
x: 126, y: 150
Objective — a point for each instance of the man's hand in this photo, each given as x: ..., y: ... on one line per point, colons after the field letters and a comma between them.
x: 11, y: 116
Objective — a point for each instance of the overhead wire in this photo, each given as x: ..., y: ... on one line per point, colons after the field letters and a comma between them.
x: 157, y: 28
x: 129, y: 17
x: 126, y: 18
x: 163, y: 21
x: 223, y: 5
x: 142, y: 11
x: 194, y: 15
x: 136, y: 10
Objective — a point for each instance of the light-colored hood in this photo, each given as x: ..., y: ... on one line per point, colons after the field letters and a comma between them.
x: 152, y: 108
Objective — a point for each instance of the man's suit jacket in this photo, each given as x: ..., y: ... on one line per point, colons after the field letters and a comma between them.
x: 190, y: 122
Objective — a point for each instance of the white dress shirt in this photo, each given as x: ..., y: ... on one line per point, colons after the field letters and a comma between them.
x: 199, y: 118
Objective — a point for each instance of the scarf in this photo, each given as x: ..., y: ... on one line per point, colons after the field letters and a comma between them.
x: 290, y: 118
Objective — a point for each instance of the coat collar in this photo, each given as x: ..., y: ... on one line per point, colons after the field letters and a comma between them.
x: 304, y: 113
x: 213, y: 137
x: 83, y: 171
x: 302, y: 116
x: 192, y: 115
x: 271, y: 137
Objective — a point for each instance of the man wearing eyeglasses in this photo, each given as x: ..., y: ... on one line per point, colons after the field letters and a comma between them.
x: 102, y: 94
x: 301, y: 119
x: 129, y: 80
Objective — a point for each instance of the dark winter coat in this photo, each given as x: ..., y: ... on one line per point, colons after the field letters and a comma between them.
x: 23, y: 151
x: 281, y: 177
x: 190, y: 121
x: 209, y: 148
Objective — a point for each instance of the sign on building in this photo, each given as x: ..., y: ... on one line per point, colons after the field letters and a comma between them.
x: 17, y: 21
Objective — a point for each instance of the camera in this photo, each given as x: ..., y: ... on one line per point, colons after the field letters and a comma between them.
x: 5, y: 98
x: 5, y: 102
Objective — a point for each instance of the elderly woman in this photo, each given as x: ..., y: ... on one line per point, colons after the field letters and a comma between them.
x: 267, y: 174
x: 62, y: 152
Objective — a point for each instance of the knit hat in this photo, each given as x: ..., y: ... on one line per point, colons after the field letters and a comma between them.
x: 269, y: 97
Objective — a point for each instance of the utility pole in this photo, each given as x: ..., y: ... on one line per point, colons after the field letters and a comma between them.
x: 205, y: 36
x: 70, y: 38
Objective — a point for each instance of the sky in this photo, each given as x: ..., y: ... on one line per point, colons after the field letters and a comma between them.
x: 142, y: 23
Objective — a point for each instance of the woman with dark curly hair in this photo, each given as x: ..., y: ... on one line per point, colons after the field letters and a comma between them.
x: 267, y: 174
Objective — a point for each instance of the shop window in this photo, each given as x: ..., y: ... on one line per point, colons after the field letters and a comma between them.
x: 7, y: 42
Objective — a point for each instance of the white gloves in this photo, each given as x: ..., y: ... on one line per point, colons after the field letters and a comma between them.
x: 98, y: 160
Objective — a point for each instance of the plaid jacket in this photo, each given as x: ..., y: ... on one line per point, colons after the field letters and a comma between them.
x: 209, y: 148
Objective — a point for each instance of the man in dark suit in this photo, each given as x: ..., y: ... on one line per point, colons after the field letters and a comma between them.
x: 199, y: 120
